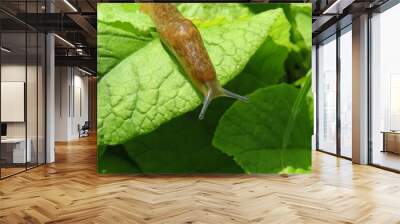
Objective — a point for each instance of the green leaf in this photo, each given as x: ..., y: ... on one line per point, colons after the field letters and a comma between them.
x: 299, y: 61
x: 124, y: 13
x: 110, y: 36
x: 147, y: 88
x: 271, y: 133
x: 182, y: 145
x: 280, y: 31
x: 267, y: 65
x: 122, y: 30
x: 211, y: 14
x: 114, y: 159
x: 301, y: 14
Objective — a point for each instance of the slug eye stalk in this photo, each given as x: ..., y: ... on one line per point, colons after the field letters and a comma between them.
x: 214, y: 91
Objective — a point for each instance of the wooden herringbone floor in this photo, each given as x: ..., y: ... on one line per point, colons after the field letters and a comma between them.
x: 70, y: 191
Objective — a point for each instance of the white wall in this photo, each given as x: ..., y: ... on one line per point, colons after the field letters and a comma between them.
x: 80, y: 110
x: 71, y: 102
x: 62, y: 82
x: 9, y: 73
x: 33, y: 127
x: 12, y: 73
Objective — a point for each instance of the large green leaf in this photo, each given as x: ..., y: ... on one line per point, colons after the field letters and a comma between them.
x: 122, y: 30
x: 183, y: 145
x: 147, y: 88
x: 271, y: 133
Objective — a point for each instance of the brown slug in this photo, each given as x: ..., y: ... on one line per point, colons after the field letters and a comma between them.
x: 183, y: 39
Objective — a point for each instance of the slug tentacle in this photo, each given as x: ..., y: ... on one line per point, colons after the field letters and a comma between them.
x: 215, y: 90
x: 206, y: 102
x: 183, y: 39
x: 235, y: 96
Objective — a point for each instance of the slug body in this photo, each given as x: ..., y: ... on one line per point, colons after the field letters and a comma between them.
x: 183, y: 39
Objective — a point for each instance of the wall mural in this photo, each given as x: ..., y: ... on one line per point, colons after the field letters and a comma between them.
x: 204, y: 88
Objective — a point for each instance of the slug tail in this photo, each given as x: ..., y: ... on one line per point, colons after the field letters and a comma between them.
x: 214, y: 91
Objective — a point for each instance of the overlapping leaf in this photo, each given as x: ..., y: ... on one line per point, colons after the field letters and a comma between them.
x: 270, y: 134
x: 183, y: 145
x: 147, y: 88
x: 122, y: 30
